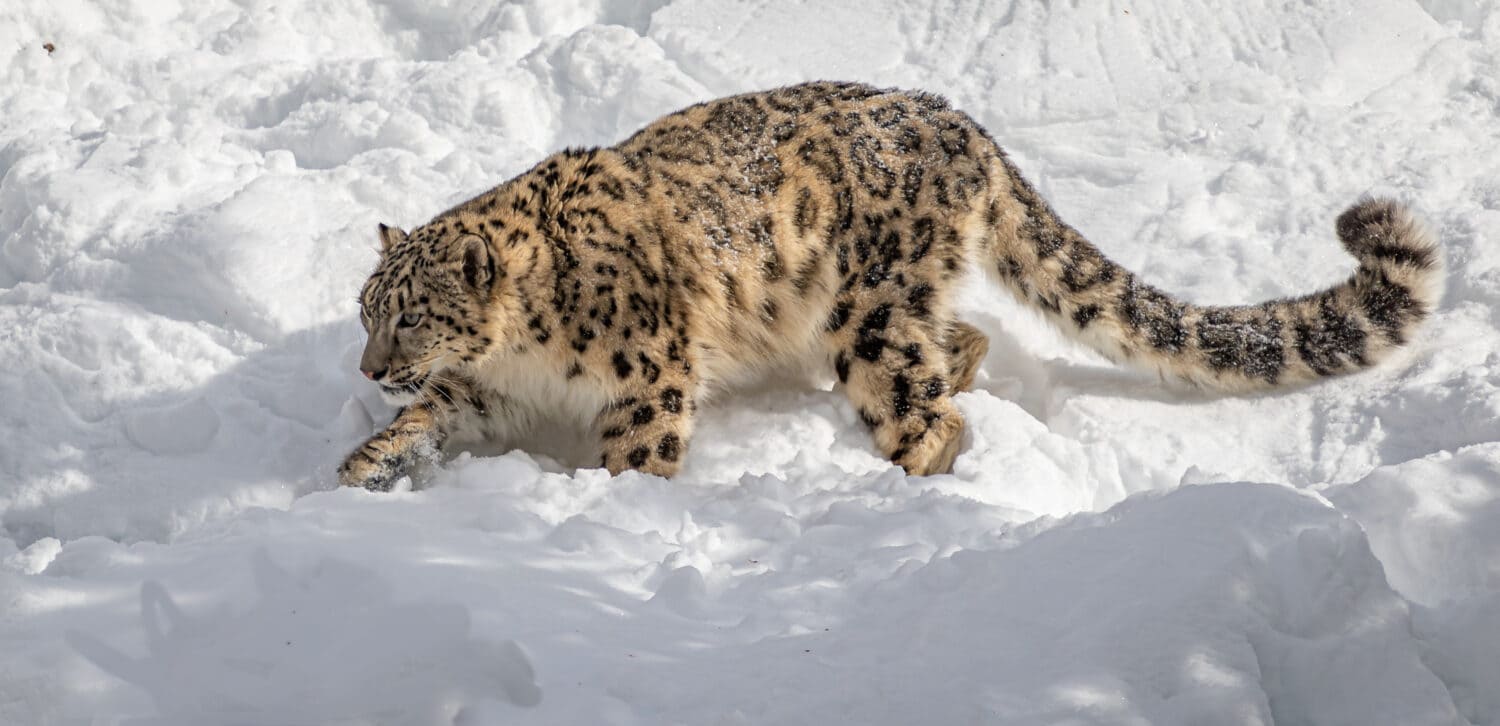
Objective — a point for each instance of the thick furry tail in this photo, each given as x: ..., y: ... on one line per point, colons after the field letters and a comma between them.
x: 1345, y: 328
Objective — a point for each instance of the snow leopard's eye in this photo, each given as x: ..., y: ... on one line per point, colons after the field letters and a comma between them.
x: 409, y: 319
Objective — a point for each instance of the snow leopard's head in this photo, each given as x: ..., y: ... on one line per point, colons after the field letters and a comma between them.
x: 428, y: 306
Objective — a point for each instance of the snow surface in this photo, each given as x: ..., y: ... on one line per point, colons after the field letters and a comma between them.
x: 187, y: 208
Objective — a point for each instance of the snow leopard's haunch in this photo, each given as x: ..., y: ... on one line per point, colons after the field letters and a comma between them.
x: 825, y: 222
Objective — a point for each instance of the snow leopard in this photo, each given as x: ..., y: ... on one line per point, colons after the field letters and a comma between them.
x: 823, y: 225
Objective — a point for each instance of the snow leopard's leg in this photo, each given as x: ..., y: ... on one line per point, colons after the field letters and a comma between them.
x: 649, y: 430
x: 966, y: 349
x: 417, y: 433
x: 384, y: 457
x: 896, y: 371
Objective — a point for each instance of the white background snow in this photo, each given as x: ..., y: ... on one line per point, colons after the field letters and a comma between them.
x: 189, y: 196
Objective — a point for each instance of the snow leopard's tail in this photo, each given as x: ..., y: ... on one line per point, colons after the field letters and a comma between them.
x: 1339, y: 330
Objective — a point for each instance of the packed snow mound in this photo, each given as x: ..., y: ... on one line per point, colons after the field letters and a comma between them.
x: 188, y: 198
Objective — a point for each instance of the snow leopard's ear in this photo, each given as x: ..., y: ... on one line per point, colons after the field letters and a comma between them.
x: 478, y: 262
x: 389, y: 237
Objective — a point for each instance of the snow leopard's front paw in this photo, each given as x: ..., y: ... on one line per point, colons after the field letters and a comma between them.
x: 378, y: 463
x: 369, y: 469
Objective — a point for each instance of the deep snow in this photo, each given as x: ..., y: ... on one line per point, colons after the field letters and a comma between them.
x: 188, y: 195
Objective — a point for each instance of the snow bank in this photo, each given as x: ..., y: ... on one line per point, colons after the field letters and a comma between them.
x: 187, y: 198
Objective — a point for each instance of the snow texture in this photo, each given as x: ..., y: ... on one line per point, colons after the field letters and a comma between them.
x: 188, y: 199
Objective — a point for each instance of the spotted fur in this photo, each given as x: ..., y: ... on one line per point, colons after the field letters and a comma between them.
x: 821, y: 221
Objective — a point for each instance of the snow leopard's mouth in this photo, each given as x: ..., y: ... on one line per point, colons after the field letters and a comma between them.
x: 411, y: 382
x: 401, y: 394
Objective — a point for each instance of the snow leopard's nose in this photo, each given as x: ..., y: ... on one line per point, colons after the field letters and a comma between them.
x: 372, y: 375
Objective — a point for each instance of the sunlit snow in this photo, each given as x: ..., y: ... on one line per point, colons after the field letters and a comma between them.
x: 188, y: 200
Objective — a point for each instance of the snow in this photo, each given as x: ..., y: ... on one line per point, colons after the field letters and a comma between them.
x: 188, y: 200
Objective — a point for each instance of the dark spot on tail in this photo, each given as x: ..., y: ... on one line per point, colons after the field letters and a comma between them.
x: 1326, y: 342
x: 1366, y: 219
x: 1246, y: 341
x: 1159, y: 317
x: 1084, y: 267
x: 1419, y: 257
x: 1371, y: 230
x: 1388, y: 305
